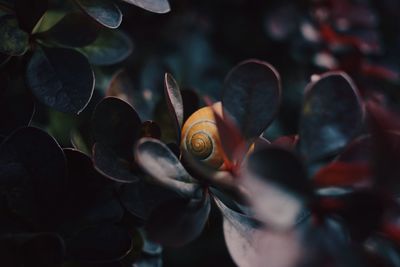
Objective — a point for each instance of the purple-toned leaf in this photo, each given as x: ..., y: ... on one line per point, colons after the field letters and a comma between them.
x: 121, y: 86
x: 116, y: 125
x: 90, y: 196
x: 177, y: 222
x: 251, y: 244
x: 332, y: 115
x: 174, y: 102
x: 104, y: 12
x: 111, y: 165
x: 278, y: 186
x: 251, y: 95
x: 142, y: 197
x: 164, y: 167
x: 156, y: 6
x: 49, y: 76
x: 29, y: 13
x: 33, y: 164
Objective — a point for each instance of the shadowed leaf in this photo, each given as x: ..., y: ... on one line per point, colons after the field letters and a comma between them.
x: 112, y: 165
x: 29, y: 13
x: 61, y: 79
x: 251, y: 95
x: 177, y: 222
x: 174, y: 102
x: 332, y: 115
x: 110, y: 47
x: 116, y: 125
x: 13, y: 41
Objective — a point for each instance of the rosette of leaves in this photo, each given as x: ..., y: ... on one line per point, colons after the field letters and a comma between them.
x: 329, y: 206
x: 57, y: 210
x: 58, y: 60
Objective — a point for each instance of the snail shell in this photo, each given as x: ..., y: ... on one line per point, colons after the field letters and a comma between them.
x: 200, y: 136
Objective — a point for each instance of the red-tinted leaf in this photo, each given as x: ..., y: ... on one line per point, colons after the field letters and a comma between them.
x: 342, y: 174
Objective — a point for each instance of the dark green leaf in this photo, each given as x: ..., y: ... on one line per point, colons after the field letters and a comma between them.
x: 156, y: 6
x: 110, y: 47
x: 116, y: 125
x: 104, y: 12
x: 29, y: 12
x: 13, y: 41
x: 61, y: 79
x: 73, y: 30
x: 332, y: 115
x: 164, y: 167
x: 251, y: 95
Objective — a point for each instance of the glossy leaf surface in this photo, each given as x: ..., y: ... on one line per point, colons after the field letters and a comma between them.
x: 251, y: 95
x: 332, y: 115
x: 156, y: 6
x: 104, y: 12
x: 61, y: 79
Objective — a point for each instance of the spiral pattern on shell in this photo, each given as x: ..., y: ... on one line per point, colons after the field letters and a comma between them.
x: 200, y: 136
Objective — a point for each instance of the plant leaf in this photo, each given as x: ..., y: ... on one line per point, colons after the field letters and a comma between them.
x: 177, y: 222
x: 174, y: 102
x: 251, y: 244
x: 251, y: 95
x: 13, y: 41
x: 112, y: 165
x: 164, y: 167
x: 156, y: 6
x: 29, y: 13
x: 73, y: 30
x: 104, y: 12
x: 278, y: 185
x: 332, y: 115
x: 116, y: 125
x: 110, y: 47
x: 61, y: 79
x: 33, y: 164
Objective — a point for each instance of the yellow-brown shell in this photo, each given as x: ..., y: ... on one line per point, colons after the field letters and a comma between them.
x: 200, y: 136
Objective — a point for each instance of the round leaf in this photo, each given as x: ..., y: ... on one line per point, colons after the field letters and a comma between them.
x: 13, y: 41
x: 116, y: 125
x: 61, y: 79
x: 332, y: 115
x: 103, y: 11
x: 251, y: 95
x: 156, y: 6
x: 110, y: 47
